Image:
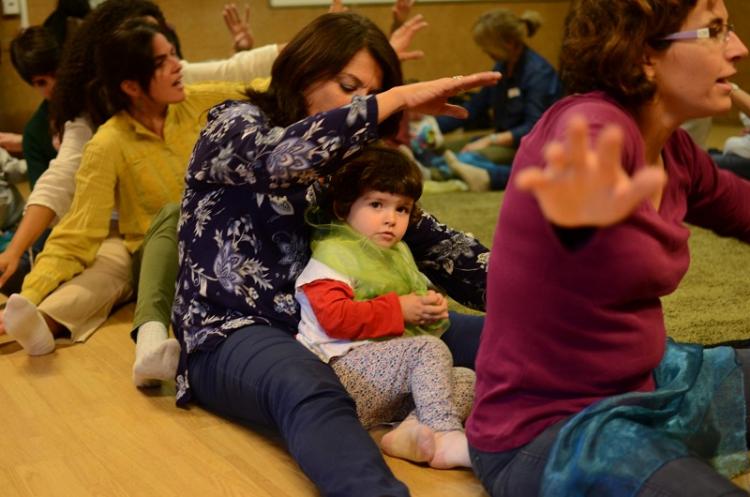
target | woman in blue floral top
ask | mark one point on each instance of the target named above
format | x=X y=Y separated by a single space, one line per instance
x=243 y=241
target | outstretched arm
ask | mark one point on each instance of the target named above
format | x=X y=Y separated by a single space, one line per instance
x=431 y=97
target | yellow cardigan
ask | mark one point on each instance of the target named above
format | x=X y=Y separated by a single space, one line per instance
x=128 y=167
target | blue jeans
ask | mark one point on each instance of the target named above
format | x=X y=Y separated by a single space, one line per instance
x=499 y=173
x=262 y=376
x=519 y=471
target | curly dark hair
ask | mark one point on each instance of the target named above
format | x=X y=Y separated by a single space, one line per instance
x=319 y=52
x=604 y=45
x=77 y=69
x=377 y=168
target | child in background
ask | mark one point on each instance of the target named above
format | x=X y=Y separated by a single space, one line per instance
x=367 y=311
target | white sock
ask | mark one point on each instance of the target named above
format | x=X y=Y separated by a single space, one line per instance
x=156 y=355
x=26 y=325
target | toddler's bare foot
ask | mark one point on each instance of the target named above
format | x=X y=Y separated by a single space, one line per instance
x=410 y=440
x=451 y=450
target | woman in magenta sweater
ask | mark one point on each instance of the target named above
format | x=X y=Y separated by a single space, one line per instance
x=579 y=392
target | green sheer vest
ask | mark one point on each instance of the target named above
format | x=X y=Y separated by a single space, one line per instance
x=375 y=270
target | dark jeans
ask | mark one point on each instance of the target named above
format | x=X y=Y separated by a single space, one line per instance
x=519 y=472
x=262 y=376
x=738 y=165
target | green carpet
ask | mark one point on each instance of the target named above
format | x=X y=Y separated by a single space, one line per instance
x=712 y=304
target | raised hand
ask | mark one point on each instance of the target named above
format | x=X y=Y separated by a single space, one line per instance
x=238 y=27
x=582 y=186
x=337 y=6
x=400 y=12
x=402 y=37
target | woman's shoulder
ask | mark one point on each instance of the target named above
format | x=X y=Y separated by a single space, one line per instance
x=597 y=107
x=213 y=87
x=236 y=109
x=112 y=132
x=201 y=96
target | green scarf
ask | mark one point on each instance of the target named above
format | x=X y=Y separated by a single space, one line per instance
x=374 y=269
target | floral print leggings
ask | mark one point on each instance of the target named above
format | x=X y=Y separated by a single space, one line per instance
x=390 y=379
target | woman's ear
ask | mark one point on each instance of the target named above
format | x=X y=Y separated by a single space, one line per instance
x=649 y=70
x=131 y=88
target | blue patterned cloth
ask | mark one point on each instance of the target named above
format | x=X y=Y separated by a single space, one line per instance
x=612 y=447
x=242 y=234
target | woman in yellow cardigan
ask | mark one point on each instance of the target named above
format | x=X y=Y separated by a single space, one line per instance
x=134 y=164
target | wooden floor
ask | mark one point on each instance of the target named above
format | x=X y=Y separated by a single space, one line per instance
x=73 y=425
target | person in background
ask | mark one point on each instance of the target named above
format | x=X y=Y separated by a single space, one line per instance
x=735 y=156
x=579 y=389
x=135 y=163
x=35 y=54
x=512 y=107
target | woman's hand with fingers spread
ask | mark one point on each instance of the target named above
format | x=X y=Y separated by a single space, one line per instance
x=584 y=186
x=238 y=27
x=402 y=37
x=431 y=97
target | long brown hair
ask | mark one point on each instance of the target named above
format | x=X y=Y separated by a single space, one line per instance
x=319 y=52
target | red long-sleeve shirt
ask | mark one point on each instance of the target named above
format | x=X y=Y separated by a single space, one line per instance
x=344 y=318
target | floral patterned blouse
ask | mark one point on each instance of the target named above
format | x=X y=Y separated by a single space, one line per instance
x=242 y=234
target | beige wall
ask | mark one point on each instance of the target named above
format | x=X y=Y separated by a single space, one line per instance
x=447 y=41
x=203 y=36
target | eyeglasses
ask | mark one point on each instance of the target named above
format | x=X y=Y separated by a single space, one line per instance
x=715 y=32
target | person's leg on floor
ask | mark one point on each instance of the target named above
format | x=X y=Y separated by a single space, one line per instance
x=156 y=267
x=263 y=375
